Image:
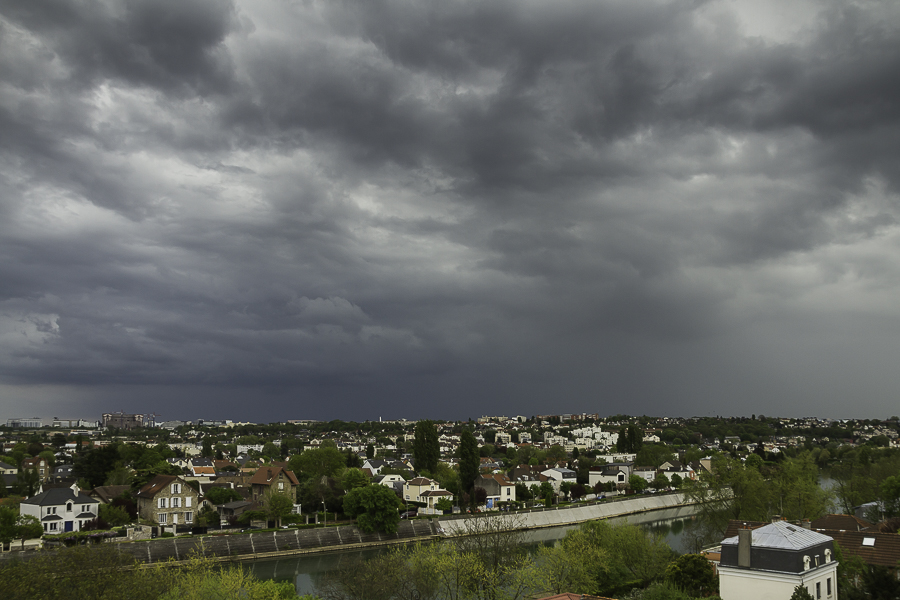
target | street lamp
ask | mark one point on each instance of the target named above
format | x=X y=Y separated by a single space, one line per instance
x=325 y=520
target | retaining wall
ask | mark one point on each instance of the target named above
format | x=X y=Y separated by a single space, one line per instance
x=553 y=517
x=271 y=544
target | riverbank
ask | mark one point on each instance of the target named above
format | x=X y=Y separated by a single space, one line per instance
x=275 y=544
x=297 y=542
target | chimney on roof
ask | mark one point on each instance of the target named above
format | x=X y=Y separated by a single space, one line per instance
x=805 y=524
x=745 y=541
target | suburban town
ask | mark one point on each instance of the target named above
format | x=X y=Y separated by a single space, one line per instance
x=129 y=480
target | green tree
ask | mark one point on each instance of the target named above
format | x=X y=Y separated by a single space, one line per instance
x=58 y=441
x=315 y=463
x=27 y=482
x=16 y=526
x=94 y=464
x=375 y=508
x=661 y=481
x=444 y=504
x=118 y=476
x=116 y=516
x=637 y=483
x=801 y=593
x=276 y=505
x=664 y=591
x=49 y=457
x=271 y=451
x=208 y=517
x=354 y=478
x=221 y=495
x=628 y=557
x=426 y=447
x=469 y=461
x=694 y=574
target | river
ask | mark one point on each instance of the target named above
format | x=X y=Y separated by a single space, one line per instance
x=304 y=570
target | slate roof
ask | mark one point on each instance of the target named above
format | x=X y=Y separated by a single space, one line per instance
x=108 y=493
x=782 y=535
x=841 y=523
x=59 y=496
x=3 y=465
x=156 y=485
x=873 y=547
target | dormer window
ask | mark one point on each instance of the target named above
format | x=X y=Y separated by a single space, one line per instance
x=806 y=563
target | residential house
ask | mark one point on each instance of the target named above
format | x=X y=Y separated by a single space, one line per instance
x=63 y=471
x=40 y=464
x=168 y=500
x=276 y=479
x=395 y=482
x=605 y=474
x=232 y=510
x=772 y=560
x=490 y=465
x=557 y=475
x=415 y=490
x=6 y=469
x=105 y=494
x=201 y=468
x=498 y=487
x=61 y=509
x=648 y=474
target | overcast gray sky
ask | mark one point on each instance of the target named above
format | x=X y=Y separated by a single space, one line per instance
x=268 y=210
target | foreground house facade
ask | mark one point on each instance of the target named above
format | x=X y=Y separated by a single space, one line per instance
x=769 y=562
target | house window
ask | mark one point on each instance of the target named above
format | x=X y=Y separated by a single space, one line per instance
x=53 y=526
x=188 y=517
x=162 y=503
x=187 y=502
x=818 y=589
x=280 y=486
x=828 y=586
x=176 y=488
x=176 y=502
x=162 y=518
x=507 y=491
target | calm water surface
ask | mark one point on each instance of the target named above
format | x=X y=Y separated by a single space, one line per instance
x=305 y=570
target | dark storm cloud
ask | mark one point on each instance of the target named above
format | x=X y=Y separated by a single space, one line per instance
x=482 y=205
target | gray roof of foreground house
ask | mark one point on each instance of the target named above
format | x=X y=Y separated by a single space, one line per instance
x=782 y=535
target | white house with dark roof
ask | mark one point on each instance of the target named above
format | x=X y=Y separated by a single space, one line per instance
x=769 y=562
x=61 y=509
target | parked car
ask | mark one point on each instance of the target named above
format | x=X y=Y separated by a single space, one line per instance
x=409 y=514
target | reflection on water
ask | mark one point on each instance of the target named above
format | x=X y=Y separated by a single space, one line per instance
x=306 y=570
